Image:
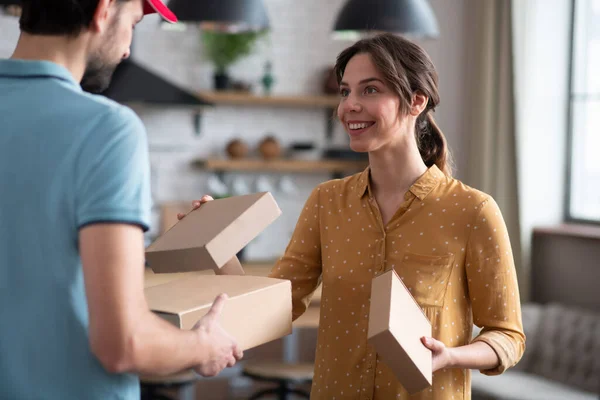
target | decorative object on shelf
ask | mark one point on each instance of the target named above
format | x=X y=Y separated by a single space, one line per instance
x=241 y=87
x=262 y=184
x=237 y=148
x=330 y=85
x=239 y=187
x=287 y=186
x=268 y=80
x=223 y=15
x=216 y=188
x=413 y=18
x=269 y=148
x=224 y=49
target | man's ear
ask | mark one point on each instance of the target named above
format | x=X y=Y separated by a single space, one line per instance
x=419 y=103
x=100 y=18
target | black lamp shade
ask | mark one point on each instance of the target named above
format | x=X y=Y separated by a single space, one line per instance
x=237 y=15
x=408 y=17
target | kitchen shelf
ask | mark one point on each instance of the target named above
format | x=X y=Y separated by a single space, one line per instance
x=280 y=165
x=243 y=98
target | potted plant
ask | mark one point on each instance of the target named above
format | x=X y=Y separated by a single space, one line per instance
x=224 y=49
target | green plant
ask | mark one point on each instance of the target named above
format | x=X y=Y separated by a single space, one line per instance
x=224 y=49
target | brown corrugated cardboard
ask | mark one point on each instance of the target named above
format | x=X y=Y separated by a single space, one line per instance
x=210 y=236
x=396 y=325
x=258 y=310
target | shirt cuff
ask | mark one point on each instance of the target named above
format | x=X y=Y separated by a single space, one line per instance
x=509 y=353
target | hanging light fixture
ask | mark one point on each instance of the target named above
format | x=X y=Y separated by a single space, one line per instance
x=223 y=15
x=10 y=7
x=413 y=18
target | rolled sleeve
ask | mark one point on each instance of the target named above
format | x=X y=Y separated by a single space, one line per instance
x=493 y=287
x=301 y=262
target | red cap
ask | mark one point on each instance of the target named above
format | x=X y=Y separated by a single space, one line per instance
x=157 y=6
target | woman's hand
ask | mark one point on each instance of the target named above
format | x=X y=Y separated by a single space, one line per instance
x=441 y=355
x=196 y=205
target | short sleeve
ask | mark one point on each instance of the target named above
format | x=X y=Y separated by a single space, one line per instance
x=493 y=287
x=113 y=176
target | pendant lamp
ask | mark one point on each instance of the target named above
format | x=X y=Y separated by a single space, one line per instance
x=413 y=18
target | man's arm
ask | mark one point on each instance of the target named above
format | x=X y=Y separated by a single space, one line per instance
x=124 y=334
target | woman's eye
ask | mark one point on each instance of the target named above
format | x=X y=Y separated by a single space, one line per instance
x=371 y=90
x=344 y=92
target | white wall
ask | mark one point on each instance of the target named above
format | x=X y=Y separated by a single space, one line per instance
x=300 y=47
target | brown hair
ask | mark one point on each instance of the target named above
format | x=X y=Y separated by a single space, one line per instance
x=407 y=69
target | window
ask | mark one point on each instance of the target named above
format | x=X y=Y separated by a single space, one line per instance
x=583 y=199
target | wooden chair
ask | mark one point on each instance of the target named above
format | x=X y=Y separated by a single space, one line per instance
x=284 y=375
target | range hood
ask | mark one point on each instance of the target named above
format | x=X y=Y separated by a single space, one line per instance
x=132 y=83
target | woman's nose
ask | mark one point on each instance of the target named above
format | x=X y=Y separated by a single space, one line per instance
x=351 y=104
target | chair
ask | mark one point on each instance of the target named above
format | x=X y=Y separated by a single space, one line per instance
x=283 y=374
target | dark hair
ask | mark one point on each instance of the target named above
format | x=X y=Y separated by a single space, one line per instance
x=407 y=69
x=57 y=17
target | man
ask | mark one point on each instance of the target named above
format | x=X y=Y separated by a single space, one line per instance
x=74 y=202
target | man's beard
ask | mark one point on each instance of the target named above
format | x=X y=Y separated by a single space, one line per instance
x=97 y=75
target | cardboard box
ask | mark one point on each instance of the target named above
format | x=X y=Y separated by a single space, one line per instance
x=396 y=325
x=210 y=236
x=259 y=309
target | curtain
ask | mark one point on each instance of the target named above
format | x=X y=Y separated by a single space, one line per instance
x=492 y=157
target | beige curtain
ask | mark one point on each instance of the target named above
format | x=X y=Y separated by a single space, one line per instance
x=541 y=44
x=492 y=163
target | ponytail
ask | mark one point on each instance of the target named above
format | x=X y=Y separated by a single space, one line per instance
x=432 y=143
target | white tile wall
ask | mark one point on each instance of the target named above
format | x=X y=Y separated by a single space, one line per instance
x=300 y=47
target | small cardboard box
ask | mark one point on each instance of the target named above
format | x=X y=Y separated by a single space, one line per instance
x=259 y=309
x=396 y=325
x=207 y=238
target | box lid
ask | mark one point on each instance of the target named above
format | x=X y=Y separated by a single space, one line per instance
x=185 y=295
x=210 y=236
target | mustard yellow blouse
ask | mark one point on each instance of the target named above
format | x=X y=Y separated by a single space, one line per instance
x=448 y=243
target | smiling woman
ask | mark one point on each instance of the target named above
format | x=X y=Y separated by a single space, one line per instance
x=447 y=241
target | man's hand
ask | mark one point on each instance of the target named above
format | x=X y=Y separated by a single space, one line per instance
x=221 y=349
x=442 y=355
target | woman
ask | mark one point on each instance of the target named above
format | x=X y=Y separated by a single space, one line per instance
x=447 y=241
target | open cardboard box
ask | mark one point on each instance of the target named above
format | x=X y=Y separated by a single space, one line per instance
x=209 y=237
x=258 y=309
x=396 y=325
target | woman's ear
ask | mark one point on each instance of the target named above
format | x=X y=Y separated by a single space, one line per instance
x=419 y=103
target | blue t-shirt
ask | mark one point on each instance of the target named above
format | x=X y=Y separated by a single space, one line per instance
x=67 y=159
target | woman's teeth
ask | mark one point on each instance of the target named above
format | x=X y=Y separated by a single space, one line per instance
x=362 y=125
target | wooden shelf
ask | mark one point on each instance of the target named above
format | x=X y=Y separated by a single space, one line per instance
x=242 y=98
x=281 y=165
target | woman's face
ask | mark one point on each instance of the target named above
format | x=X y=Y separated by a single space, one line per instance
x=369 y=110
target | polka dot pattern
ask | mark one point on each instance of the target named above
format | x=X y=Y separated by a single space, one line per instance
x=449 y=245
